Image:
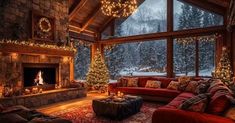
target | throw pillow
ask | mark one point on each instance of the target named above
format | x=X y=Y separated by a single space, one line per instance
x=153 y=84
x=132 y=82
x=191 y=87
x=183 y=82
x=173 y=85
x=123 y=81
x=197 y=103
x=202 y=86
x=214 y=89
x=219 y=103
x=215 y=82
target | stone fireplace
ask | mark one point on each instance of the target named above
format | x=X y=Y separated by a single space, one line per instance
x=22 y=66
x=19 y=65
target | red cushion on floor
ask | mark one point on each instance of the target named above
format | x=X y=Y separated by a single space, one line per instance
x=162 y=92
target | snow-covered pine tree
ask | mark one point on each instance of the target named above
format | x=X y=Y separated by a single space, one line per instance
x=98 y=73
x=184 y=16
x=185 y=52
x=82 y=62
x=115 y=60
x=223 y=70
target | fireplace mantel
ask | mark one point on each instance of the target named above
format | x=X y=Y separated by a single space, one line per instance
x=14 y=48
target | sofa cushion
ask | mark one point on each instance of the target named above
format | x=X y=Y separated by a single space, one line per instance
x=214 y=83
x=143 y=80
x=183 y=82
x=191 y=87
x=176 y=102
x=168 y=115
x=153 y=84
x=173 y=85
x=197 y=103
x=132 y=82
x=219 y=103
x=165 y=81
x=161 y=92
x=214 y=89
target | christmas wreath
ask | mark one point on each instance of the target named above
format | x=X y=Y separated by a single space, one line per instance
x=44 y=25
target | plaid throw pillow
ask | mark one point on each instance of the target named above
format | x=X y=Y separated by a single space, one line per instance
x=197 y=103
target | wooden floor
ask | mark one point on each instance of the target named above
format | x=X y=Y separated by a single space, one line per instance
x=48 y=109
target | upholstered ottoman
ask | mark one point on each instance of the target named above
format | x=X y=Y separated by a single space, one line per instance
x=117 y=110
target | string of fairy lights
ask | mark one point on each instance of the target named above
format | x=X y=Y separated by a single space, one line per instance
x=77 y=43
x=189 y=40
x=41 y=45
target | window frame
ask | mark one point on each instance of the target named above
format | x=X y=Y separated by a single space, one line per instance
x=171 y=34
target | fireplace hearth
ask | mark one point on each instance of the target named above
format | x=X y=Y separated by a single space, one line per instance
x=43 y=75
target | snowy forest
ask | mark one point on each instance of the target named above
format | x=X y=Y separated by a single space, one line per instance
x=150 y=57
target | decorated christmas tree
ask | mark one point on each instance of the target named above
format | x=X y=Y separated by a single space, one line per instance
x=223 y=70
x=98 y=73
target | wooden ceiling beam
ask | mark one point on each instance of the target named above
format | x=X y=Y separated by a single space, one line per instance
x=76 y=9
x=204 y=4
x=77 y=30
x=223 y=3
x=78 y=26
x=73 y=5
x=74 y=34
x=164 y=35
x=106 y=24
x=91 y=17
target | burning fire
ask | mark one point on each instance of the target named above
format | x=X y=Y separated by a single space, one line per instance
x=38 y=79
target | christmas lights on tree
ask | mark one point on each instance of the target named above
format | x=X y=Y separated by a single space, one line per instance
x=223 y=70
x=98 y=73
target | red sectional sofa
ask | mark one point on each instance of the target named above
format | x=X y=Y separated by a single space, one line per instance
x=170 y=112
x=162 y=94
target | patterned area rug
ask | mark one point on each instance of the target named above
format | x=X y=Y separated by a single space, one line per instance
x=85 y=114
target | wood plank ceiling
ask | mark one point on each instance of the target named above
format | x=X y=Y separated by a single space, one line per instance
x=86 y=21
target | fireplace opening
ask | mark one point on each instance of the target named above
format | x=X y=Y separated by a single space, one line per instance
x=40 y=75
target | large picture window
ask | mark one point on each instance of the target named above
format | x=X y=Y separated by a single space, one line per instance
x=185 y=56
x=82 y=62
x=206 y=57
x=150 y=17
x=137 y=59
x=190 y=17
